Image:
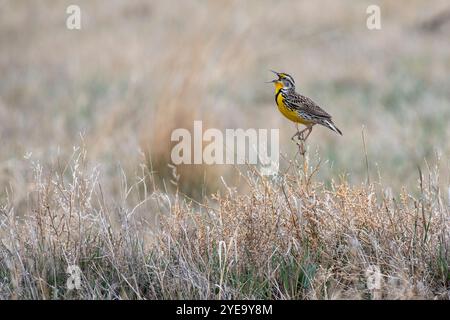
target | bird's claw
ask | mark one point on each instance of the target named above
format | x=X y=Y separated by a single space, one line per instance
x=299 y=135
x=301 y=147
x=300 y=142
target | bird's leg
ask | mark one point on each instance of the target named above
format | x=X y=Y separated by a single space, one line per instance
x=297 y=134
x=309 y=128
x=302 y=138
x=300 y=142
x=301 y=134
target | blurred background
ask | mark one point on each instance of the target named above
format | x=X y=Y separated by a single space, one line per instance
x=139 y=69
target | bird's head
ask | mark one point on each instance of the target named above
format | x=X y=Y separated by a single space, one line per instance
x=284 y=80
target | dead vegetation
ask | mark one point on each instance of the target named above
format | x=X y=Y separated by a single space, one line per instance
x=364 y=224
x=288 y=238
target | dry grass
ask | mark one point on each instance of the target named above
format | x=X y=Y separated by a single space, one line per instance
x=137 y=70
x=288 y=238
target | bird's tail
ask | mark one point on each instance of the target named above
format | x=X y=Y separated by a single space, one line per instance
x=329 y=124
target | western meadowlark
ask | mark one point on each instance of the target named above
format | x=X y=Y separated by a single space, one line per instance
x=298 y=108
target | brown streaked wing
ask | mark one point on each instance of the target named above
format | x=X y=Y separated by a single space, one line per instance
x=298 y=101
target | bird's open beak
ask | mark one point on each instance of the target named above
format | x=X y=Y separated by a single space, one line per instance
x=275 y=80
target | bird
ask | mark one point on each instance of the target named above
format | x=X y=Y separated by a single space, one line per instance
x=299 y=108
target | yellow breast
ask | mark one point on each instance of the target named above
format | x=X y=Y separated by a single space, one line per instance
x=290 y=114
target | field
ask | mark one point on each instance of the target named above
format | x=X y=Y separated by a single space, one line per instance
x=86 y=177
